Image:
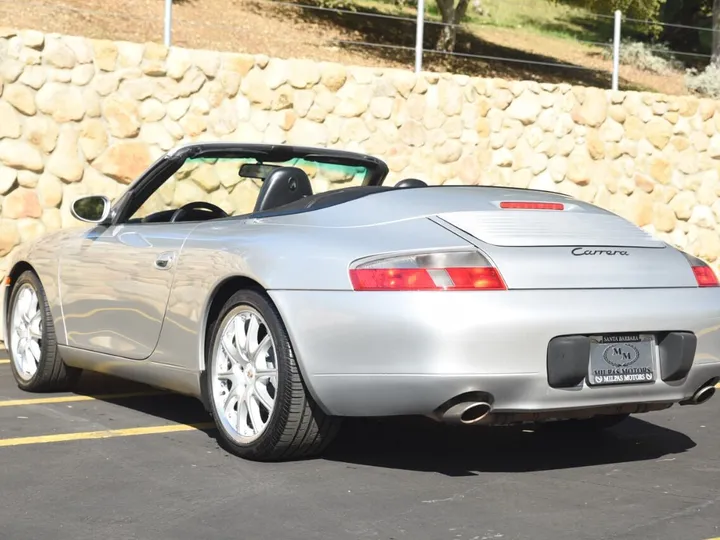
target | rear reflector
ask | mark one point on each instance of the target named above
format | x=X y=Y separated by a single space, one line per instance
x=705 y=276
x=426 y=279
x=520 y=205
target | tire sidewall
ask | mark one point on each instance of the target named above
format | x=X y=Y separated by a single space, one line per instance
x=31 y=279
x=281 y=344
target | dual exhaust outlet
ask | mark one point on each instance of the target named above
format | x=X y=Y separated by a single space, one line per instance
x=476 y=408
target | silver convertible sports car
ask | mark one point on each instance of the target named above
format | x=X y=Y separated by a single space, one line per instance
x=468 y=304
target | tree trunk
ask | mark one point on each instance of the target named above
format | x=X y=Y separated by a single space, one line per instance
x=452 y=15
x=716 y=34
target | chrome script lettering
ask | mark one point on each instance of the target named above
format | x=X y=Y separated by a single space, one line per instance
x=579 y=252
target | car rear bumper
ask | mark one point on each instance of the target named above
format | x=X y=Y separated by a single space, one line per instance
x=397 y=353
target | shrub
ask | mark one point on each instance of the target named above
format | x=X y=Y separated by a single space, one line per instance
x=655 y=58
x=706 y=82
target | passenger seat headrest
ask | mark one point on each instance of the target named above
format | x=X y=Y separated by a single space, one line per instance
x=282 y=186
x=411 y=182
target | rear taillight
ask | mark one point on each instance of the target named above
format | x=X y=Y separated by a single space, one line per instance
x=446 y=271
x=704 y=275
x=527 y=205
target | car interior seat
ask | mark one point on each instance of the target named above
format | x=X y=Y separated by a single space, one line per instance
x=411 y=182
x=282 y=186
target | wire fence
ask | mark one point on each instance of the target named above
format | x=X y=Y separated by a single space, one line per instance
x=600 y=52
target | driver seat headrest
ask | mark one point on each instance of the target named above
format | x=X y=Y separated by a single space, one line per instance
x=411 y=183
x=283 y=186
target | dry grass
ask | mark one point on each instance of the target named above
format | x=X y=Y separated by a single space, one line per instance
x=257 y=26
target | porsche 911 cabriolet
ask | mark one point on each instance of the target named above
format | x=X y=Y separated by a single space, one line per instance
x=473 y=305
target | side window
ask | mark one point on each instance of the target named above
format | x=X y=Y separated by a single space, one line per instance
x=214 y=181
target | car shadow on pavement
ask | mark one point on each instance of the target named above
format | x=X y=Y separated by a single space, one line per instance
x=420 y=444
x=423 y=445
x=139 y=398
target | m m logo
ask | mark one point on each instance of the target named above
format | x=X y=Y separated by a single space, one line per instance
x=624 y=354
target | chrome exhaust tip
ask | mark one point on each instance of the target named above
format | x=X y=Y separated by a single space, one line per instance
x=703 y=394
x=468 y=412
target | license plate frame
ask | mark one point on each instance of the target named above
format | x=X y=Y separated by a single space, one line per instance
x=622 y=359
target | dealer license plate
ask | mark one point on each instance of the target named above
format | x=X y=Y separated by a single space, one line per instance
x=621 y=359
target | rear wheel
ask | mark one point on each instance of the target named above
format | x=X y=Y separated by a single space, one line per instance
x=257 y=396
x=36 y=362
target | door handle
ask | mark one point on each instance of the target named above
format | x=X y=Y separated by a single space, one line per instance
x=165 y=260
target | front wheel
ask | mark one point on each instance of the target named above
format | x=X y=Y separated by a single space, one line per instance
x=257 y=396
x=32 y=345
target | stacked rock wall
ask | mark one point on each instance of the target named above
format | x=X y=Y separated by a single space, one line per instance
x=83 y=116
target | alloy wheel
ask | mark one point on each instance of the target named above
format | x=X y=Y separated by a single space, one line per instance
x=245 y=375
x=26 y=332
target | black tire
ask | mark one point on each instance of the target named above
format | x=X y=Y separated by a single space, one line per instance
x=594 y=424
x=52 y=374
x=297 y=427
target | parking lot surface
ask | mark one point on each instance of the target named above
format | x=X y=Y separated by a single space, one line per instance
x=121 y=461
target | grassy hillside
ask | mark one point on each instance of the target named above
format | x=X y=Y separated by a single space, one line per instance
x=517 y=37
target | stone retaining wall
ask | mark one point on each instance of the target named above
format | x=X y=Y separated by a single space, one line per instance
x=84 y=116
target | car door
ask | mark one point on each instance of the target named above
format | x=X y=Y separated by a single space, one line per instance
x=116 y=283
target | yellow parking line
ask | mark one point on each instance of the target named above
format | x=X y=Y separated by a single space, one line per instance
x=64 y=437
x=72 y=399
x=4 y=361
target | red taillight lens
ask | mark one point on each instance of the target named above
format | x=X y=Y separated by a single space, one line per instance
x=391 y=279
x=434 y=271
x=426 y=279
x=522 y=205
x=487 y=279
x=705 y=276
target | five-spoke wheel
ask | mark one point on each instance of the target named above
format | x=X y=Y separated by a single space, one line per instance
x=256 y=393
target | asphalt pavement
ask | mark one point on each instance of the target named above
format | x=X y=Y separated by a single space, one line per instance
x=144 y=465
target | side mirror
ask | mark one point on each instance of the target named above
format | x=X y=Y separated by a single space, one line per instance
x=91 y=209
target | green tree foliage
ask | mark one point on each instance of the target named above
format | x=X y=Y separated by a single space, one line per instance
x=704 y=14
x=636 y=9
x=641 y=10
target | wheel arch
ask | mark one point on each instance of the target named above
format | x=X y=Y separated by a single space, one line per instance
x=220 y=294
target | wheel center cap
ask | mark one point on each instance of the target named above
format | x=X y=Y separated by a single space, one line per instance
x=249 y=372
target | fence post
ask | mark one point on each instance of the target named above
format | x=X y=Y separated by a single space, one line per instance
x=616 y=50
x=168 y=22
x=419 y=27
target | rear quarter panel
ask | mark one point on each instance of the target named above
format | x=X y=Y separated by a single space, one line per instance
x=278 y=257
